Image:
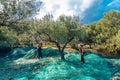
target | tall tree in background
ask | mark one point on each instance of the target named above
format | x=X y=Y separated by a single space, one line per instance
x=90 y=34
x=105 y=30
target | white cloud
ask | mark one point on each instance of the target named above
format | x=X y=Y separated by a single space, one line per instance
x=64 y=7
x=85 y=4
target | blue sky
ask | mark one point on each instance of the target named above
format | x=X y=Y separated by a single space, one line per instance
x=88 y=10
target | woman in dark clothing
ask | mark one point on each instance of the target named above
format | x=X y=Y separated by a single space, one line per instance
x=82 y=53
x=39 y=50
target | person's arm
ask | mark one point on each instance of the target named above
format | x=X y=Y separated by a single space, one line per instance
x=79 y=50
x=37 y=49
x=82 y=50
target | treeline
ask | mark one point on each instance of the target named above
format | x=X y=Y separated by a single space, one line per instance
x=18 y=28
x=106 y=32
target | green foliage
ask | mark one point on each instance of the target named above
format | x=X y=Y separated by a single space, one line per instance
x=15 y=17
x=90 y=33
x=105 y=32
x=19 y=9
x=60 y=30
x=114 y=40
x=7 y=37
x=108 y=26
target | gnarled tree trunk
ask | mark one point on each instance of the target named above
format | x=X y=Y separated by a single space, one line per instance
x=61 y=49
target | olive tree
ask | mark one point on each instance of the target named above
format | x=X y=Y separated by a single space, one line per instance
x=60 y=32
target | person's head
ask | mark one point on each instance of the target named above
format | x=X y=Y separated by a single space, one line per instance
x=40 y=44
x=81 y=45
x=114 y=45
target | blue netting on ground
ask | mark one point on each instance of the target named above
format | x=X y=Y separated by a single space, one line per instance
x=47 y=52
x=31 y=53
x=94 y=68
x=16 y=53
x=50 y=52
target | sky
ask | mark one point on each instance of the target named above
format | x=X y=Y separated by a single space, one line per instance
x=88 y=10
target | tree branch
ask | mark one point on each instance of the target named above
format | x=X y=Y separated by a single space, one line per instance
x=53 y=41
x=69 y=40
